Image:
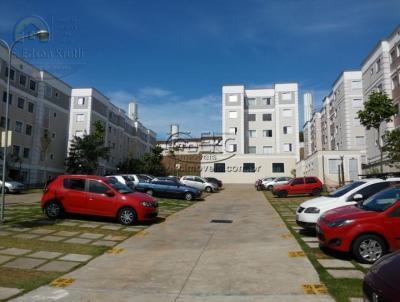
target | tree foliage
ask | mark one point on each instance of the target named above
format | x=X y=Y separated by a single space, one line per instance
x=392 y=146
x=85 y=152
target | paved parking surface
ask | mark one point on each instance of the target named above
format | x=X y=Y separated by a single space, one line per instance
x=187 y=258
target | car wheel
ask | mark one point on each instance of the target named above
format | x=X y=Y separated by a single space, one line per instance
x=208 y=189
x=53 y=209
x=269 y=188
x=127 y=216
x=282 y=194
x=188 y=196
x=150 y=192
x=369 y=248
x=316 y=192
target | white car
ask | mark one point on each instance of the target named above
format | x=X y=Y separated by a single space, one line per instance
x=124 y=179
x=141 y=178
x=269 y=183
x=199 y=183
x=308 y=212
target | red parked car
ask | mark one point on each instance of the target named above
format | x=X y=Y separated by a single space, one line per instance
x=99 y=196
x=368 y=230
x=382 y=281
x=300 y=185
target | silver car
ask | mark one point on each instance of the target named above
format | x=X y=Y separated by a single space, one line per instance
x=12 y=186
x=199 y=183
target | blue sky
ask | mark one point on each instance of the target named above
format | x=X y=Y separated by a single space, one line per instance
x=174 y=56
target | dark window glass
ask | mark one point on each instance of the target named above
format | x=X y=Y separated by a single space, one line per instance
x=26 y=152
x=311 y=180
x=22 y=80
x=32 y=85
x=16 y=150
x=297 y=181
x=251 y=117
x=382 y=201
x=21 y=103
x=278 y=168
x=345 y=189
x=219 y=167
x=368 y=191
x=11 y=74
x=3 y=122
x=267 y=117
x=97 y=187
x=74 y=184
x=31 y=107
x=249 y=167
x=5 y=98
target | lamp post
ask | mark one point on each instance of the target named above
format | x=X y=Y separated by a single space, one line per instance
x=42 y=35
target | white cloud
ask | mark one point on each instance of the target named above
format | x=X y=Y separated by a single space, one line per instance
x=153 y=92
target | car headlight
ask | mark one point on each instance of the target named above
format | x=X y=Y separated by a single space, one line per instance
x=148 y=204
x=312 y=210
x=340 y=223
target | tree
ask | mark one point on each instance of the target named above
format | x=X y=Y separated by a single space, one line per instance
x=378 y=109
x=85 y=152
x=152 y=162
x=392 y=146
x=131 y=166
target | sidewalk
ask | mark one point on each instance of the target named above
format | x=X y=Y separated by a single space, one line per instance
x=187 y=258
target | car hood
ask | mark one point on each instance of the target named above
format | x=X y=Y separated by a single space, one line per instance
x=280 y=186
x=348 y=212
x=387 y=269
x=316 y=202
x=140 y=196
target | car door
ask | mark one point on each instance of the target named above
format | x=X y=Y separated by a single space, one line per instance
x=392 y=224
x=99 y=203
x=73 y=196
x=189 y=180
x=297 y=186
x=310 y=184
x=200 y=184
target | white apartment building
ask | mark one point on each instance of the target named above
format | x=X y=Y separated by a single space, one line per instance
x=125 y=135
x=380 y=72
x=260 y=133
x=39 y=106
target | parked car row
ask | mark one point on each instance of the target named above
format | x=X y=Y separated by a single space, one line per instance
x=268 y=183
x=12 y=186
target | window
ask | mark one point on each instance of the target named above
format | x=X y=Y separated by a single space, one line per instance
x=22 y=80
x=356 y=84
x=18 y=126
x=97 y=187
x=252 y=133
x=252 y=149
x=360 y=140
x=26 y=152
x=48 y=91
x=368 y=191
x=297 y=181
x=31 y=107
x=80 y=117
x=233 y=114
x=233 y=147
x=81 y=101
x=3 y=122
x=356 y=121
x=11 y=74
x=286 y=96
x=249 y=167
x=51 y=156
x=267 y=149
x=28 y=129
x=233 y=130
x=55 y=114
x=251 y=102
x=393 y=55
x=266 y=101
x=287 y=147
x=334 y=166
x=233 y=98
x=32 y=85
x=53 y=135
x=20 y=103
x=378 y=65
x=267 y=117
x=74 y=184
x=251 y=117
x=267 y=133
x=16 y=150
x=311 y=180
x=395 y=82
x=278 y=167
x=357 y=103
x=287 y=112
x=219 y=167
x=5 y=98
x=287 y=130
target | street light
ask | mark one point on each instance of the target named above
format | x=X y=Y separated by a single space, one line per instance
x=42 y=35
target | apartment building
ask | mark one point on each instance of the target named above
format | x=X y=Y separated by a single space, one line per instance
x=125 y=135
x=380 y=72
x=260 y=133
x=39 y=107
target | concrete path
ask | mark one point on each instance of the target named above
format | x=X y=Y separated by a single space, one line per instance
x=187 y=258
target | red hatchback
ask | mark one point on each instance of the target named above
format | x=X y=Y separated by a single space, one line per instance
x=367 y=230
x=300 y=185
x=98 y=196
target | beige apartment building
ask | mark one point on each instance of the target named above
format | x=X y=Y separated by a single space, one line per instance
x=380 y=72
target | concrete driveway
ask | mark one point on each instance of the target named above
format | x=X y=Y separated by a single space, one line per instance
x=187 y=258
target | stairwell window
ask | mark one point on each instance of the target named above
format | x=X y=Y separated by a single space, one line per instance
x=287 y=147
x=287 y=130
x=80 y=117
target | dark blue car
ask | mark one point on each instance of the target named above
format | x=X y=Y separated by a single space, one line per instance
x=168 y=188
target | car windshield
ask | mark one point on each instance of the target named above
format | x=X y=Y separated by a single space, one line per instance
x=382 y=200
x=345 y=189
x=121 y=188
x=127 y=178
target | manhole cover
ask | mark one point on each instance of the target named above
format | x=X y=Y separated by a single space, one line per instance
x=221 y=221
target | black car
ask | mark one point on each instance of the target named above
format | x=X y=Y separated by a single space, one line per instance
x=168 y=188
x=215 y=181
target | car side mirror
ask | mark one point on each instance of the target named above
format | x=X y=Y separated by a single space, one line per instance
x=110 y=193
x=358 y=197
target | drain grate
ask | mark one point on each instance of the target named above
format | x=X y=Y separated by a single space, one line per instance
x=221 y=221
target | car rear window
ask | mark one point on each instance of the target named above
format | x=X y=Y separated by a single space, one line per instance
x=77 y=184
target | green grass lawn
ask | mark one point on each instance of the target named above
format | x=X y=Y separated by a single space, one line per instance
x=30 y=219
x=341 y=289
